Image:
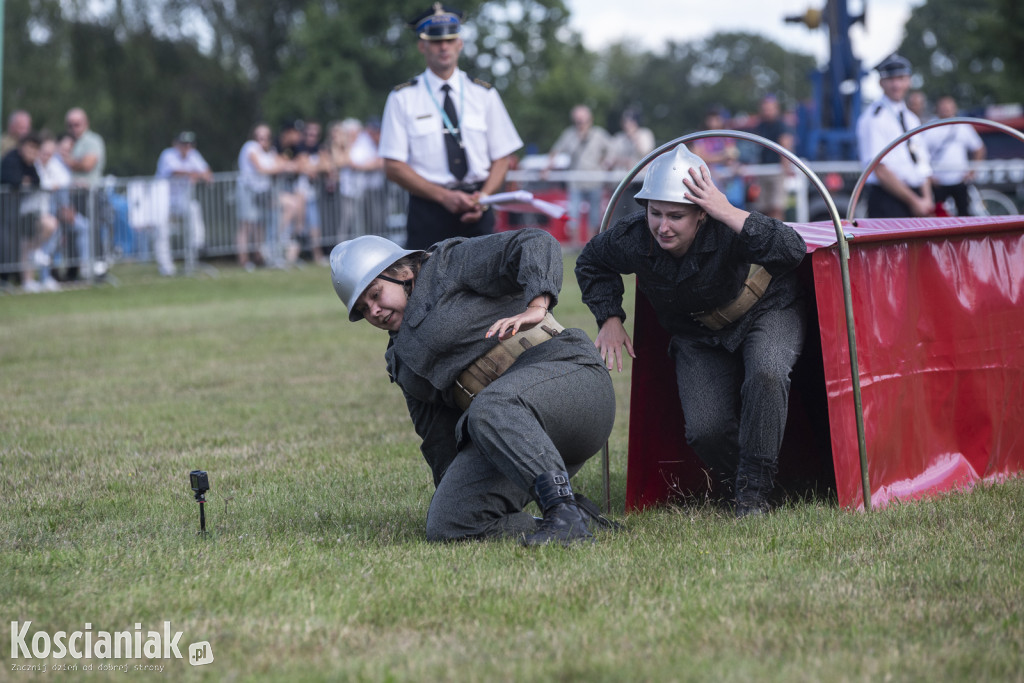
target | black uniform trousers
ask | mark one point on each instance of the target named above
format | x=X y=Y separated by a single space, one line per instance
x=736 y=403
x=959 y=194
x=538 y=417
x=884 y=204
x=428 y=223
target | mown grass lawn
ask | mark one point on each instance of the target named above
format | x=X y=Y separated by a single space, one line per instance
x=316 y=568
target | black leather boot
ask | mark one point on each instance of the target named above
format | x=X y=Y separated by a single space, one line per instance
x=755 y=478
x=592 y=514
x=563 y=523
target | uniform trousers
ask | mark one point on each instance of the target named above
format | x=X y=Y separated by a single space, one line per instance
x=429 y=222
x=735 y=403
x=884 y=204
x=538 y=417
x=959 y=194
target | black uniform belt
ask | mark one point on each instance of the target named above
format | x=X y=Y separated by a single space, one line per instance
x=492 y=364
x=465 y=187
x=753 y=289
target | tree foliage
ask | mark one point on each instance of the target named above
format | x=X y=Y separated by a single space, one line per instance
x=968 y=50
x=138 y=89
x=145 y=69
x=676 y=88
x=343 y=61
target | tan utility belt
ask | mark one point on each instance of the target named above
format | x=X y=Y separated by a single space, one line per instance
x=753 y=289
x=492 y=364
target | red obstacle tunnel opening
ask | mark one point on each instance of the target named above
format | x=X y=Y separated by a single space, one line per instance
x=663 y=468
x=938 y=305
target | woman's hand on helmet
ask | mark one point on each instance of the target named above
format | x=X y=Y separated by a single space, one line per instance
x=507 y=327
x=611 y=338
x=702 y=192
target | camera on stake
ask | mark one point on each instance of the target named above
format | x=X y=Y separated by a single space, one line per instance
x=200 y=482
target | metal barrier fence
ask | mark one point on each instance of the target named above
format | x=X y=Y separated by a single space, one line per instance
x=181 y=226
x=178 y=224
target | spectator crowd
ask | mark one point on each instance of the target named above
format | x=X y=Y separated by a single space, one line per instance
x=55 y=221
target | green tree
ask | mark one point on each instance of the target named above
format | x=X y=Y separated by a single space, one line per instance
x=676 y=87
x=138 y=88
x=969 y=50
x=145 y=69
x=253 y=35
x=343 y=58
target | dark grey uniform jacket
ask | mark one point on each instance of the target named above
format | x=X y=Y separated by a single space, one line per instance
x=709 y=275
x=465 y=286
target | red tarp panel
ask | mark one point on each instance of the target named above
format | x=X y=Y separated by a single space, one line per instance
x=939 y=325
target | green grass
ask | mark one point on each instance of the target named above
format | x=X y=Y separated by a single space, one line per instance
x=316 y=568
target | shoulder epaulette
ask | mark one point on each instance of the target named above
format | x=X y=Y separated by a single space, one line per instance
x=404 y=85
x=482 y=84
x=878 y=110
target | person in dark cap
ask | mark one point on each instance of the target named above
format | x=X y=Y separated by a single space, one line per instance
x=182 y=165
x=445 y=137
x=899 y=186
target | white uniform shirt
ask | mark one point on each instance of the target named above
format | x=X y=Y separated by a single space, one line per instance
x=412 y=129
x=950 y=148
x=878 y=126
x=171 y=162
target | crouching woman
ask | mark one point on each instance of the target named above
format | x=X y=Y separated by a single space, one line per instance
x=508 y=404
x=722 y=282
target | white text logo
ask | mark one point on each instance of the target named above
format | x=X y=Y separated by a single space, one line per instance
x=99 y=644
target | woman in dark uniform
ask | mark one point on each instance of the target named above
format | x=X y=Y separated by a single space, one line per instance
x=507 y=403
x=722 y=282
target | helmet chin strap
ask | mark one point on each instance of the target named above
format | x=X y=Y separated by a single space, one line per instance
x=407 y=285
x=393 y=280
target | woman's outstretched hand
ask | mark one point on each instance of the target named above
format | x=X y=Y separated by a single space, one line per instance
x=611 y=338
x=507 y=327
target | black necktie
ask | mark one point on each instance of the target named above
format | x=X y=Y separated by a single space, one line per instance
x=903 y=125
x=453 y=138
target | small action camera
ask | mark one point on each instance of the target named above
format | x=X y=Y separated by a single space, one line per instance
x=200 y=482
x=200 y=485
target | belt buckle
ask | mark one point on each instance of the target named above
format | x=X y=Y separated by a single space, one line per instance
x=701 y=318
x=464 y=390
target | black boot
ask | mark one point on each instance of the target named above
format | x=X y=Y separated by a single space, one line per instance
x=593 y=515
x=755 y=478
x=563 y=523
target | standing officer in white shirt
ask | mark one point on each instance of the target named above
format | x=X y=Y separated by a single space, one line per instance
x=446 y=138
x=899 y=186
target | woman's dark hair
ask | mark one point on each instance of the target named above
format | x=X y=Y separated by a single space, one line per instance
x=413 y=262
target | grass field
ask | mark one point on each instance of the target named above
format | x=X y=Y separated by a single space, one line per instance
x=316 y=568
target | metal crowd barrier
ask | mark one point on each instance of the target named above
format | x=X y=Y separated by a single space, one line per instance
x=182 y=226
x=185 y=227
x=81 y=244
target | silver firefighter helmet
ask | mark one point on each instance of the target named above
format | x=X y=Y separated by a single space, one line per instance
x=357 y=262
x=664 y=179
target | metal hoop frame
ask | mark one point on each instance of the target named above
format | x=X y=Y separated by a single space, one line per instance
x=859 y=187
x=844 y=256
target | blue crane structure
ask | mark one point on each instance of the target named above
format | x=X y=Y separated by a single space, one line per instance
x=827 y=125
